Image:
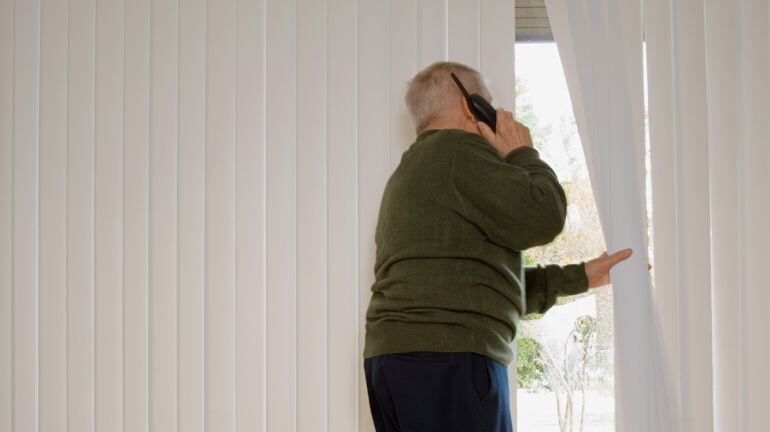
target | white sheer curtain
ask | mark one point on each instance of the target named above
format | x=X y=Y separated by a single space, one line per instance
x=600 y=44
x=709 y=102
x=693 y=355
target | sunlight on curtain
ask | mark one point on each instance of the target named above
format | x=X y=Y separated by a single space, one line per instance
x=600 y=43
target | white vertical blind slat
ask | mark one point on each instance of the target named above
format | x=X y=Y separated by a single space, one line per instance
x=433 y=32
x=250 y=217
x=755 y=211
x=136 y=218
x=6 y=210
x=373 y=159
x=402 y=65
x=693 y=237
x=191 y=193
x=634 y=378
x=662 y=136
x=723 y=128
x=25 y=215
x=281 y=205
x=311 y=216
x=52 y=205
x=108 y=207
x=496 y=49
x=465 y=32
x=163 y=238
x=342 y=178
x=220 y=216
x=80 y=216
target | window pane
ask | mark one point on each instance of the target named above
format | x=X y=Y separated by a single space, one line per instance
x=565 y=357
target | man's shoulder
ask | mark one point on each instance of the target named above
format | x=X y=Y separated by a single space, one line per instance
x=449 y=135
x=450 y=140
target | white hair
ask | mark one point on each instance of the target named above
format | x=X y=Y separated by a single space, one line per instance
x=432 y=93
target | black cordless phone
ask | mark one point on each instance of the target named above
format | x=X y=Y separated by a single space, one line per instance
x=479 y=106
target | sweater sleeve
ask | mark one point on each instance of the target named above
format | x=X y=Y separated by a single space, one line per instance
x=545 y=283
x=516 y=201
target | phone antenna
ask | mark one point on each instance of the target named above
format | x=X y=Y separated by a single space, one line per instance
x=459 y=84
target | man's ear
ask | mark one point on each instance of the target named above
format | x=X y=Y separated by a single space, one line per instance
x=466 y=110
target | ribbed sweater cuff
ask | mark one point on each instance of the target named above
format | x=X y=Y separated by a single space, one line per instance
x=570 y=280
x=520 y=155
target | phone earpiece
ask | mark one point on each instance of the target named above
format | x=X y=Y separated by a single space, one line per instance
x=480 y=108
x=483 y=111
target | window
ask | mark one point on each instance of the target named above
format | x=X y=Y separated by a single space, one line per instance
x=565 y=357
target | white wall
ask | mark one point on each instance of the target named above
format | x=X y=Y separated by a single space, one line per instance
x=188 y=195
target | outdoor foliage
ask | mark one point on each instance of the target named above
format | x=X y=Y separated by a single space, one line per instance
x=582 y=361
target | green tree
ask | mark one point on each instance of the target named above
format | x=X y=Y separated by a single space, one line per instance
x=529 y=369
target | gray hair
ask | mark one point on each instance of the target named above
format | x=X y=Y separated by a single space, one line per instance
x=432 y=92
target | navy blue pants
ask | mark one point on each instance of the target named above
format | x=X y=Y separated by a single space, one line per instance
x=434 y=391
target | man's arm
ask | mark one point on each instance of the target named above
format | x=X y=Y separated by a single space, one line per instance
x=545 y=283
x=516 y=201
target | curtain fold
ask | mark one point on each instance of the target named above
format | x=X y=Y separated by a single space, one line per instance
x=692 y=353
x=680 y=169
x=600 y=44
x=709 y=104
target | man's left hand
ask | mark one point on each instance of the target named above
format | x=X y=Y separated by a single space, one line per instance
x=598 y=269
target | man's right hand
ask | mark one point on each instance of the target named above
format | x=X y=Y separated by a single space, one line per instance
x=510 y=133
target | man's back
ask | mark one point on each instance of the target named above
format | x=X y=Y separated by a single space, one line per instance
x=453 y=219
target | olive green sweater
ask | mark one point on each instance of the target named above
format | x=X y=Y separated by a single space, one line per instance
x=453 y=221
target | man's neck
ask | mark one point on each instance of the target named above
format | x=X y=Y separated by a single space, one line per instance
x=445 y=124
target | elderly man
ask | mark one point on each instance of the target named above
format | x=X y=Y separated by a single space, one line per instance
x=450 y=287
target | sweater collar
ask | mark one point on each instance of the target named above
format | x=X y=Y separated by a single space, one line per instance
x=428 y=132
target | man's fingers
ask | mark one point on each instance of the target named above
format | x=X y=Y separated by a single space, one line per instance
x=620 y=256
x=522 y=132
x=486 y=131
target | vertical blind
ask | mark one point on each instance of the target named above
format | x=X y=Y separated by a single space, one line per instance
x=709 y=103
x=188 y=196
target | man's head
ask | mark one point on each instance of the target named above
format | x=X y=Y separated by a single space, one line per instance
x=435 y=101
